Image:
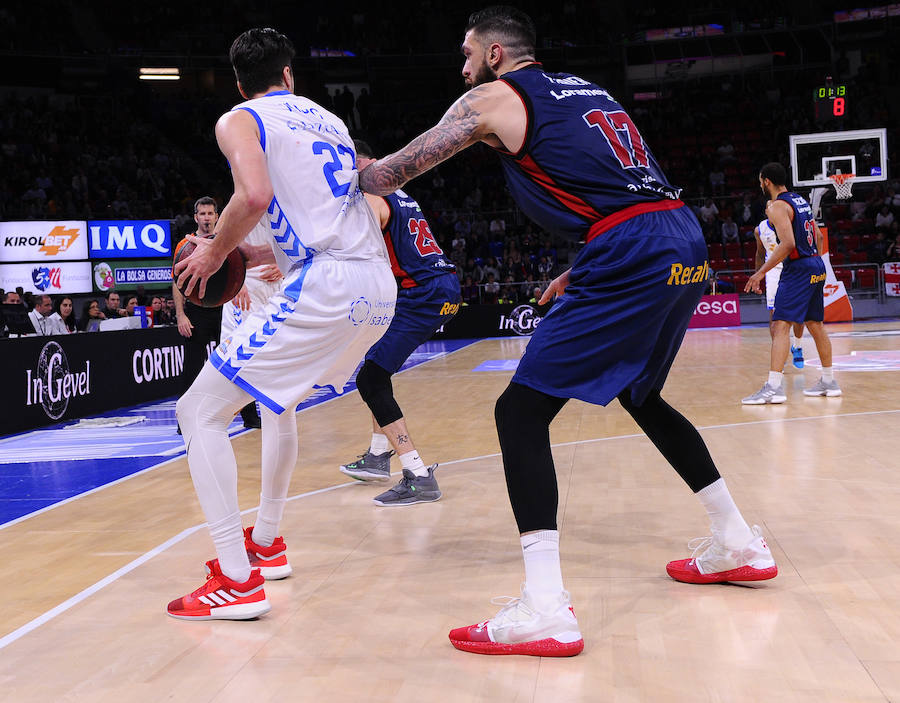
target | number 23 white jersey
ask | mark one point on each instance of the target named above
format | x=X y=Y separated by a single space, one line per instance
x=317 y=205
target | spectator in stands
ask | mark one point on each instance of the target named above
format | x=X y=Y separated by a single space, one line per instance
x=469 y=291
x=884 y=219
x=544 y=269
x=131 y=302
x=508 y=293
x=112 y=310
x=491 y=268
x=892 y=253
x=716 y=285
x=12 y=298
x=747 y=215
x=491 y=289
x=726 y=152
x=536 y=294
x=708 y=214
x=156 y=307
x=717 y=180
x=41 y=316
x=498 y=227
x=90 y=312
x=166 y=313
x=730 y=231
x=892 y=199
x=877 y=251
x=64 y=315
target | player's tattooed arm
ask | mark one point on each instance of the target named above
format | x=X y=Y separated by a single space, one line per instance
x=460 y=127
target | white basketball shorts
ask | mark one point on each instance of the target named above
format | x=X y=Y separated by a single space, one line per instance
x=772 y=278
x=260 y=291
x=313 y=332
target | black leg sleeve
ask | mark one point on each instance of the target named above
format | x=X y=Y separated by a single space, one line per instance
x=523 y=418
x=675 y=437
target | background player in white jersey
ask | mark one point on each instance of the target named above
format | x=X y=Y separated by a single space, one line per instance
x=766 y=241
x=294 y=169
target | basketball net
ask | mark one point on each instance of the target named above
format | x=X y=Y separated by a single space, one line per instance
x=843 y=184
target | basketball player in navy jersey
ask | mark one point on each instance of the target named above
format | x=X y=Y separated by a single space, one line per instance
x=428 y=297
x=800 y=297
x=577 y=165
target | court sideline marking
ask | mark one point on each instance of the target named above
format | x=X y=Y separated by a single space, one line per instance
x=179 y=452
x=131 y=566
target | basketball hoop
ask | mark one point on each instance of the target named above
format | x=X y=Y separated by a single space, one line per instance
x=843 y=184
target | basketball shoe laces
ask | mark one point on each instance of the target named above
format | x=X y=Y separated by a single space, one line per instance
x=716 y=556
x=515 y=612
x=205 y=588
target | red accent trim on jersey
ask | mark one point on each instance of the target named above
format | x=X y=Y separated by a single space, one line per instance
x=617 y=218
x=542 y=178
x=518 y=153
x=403 y=278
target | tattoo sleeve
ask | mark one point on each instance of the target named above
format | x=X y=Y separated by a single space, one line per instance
x=457 y=129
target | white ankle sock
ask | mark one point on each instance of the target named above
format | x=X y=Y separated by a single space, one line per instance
x=775 y=378
x=726 y=520
x=543 y=575
x=827 y=373
x=379 y=443
x=795 y=341
x=267 y=520
x=413 y=462
x=228 y=536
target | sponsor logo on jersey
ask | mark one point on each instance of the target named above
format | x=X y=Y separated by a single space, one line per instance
x=52 y=385
x=449 y=309
x=817 y=278
x=681 y=275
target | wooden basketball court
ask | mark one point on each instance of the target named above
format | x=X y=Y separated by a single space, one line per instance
x=375 y=591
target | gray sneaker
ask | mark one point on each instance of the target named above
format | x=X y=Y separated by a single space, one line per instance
x=766 y=394
x=823 y=387
x=411 y=489
x=370 y=467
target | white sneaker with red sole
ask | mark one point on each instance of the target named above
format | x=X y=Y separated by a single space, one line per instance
x=519 y=628
x=220 y=598
x=272 y=562
x=712 y=562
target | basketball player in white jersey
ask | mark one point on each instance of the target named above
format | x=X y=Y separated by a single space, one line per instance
x=294 y=171
x=766 y=241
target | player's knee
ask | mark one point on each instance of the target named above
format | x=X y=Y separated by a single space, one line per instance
x=374 y=384
x=522 y=409
x=646 y=408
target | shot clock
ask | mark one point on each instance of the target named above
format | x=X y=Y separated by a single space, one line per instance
x=830 y=101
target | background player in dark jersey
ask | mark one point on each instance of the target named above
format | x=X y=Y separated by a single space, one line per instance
x=428 y=296
x=201 y=326
x=577 y=165
x=801 y=287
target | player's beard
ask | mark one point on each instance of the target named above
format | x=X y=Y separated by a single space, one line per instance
x=483 y=75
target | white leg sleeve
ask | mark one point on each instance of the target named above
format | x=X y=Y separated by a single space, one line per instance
x=279 y=456
x=204 y=413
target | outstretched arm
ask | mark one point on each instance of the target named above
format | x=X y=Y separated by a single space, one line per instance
x=492 y=113
x=461 y=126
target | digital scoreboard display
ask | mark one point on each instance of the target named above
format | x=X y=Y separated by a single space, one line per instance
x=830 y=102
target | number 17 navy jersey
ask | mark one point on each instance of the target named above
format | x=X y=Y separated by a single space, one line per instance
x=583 y=158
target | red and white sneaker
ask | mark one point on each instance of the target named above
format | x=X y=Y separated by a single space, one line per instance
x=712 y=562
x=220 y=598
x=519 y=628
x=272 y=562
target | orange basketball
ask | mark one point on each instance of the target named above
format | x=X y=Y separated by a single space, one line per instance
x=223 y=285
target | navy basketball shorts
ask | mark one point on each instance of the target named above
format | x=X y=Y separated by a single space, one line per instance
x=801 y=291
x=420 y=312
x=622 y=318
